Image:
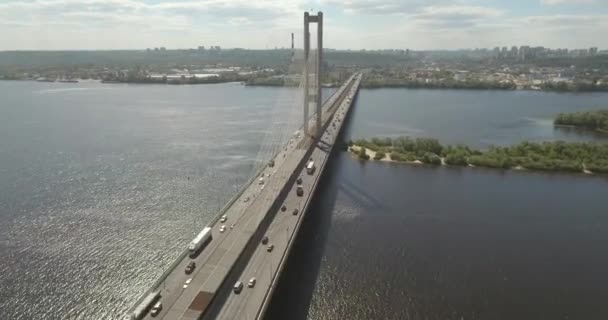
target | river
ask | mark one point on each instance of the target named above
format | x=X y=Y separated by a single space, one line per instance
x=102 y=185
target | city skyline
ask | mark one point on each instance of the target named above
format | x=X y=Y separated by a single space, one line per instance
x=354 y=24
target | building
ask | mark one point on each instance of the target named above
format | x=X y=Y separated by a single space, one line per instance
x=593 y=51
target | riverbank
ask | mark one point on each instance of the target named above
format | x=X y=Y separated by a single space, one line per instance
x=589 y=120
x=587 y=158
x=281 y=82
x=570 y=126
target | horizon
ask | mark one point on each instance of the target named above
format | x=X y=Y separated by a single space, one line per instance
x=297 y=48
x=78 y=25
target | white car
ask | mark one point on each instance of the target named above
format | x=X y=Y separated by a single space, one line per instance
x=223 y=219
x=156 y=309
x=187 y=283
x=222 y=229
x=251 y=283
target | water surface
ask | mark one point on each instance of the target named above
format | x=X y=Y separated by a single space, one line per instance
x=103 y=185
x=396 y=241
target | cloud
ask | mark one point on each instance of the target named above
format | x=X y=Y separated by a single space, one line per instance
x=591 y=22
x=454 y=16
x=558 y=2
x=122 y=11
x=418 y=24
x=382 y=6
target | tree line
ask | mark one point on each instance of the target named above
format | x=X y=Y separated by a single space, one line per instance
x=592 y=120
x=545 y=156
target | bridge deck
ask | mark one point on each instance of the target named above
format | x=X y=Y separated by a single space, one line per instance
x=249 y=215
x=266 y=266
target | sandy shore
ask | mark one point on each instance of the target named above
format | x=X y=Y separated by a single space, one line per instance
x=387 y=157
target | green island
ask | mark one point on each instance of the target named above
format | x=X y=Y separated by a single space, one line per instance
x=546 y=156
x=591 y=120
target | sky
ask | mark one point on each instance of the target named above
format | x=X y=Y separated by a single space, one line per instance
x=261 y=24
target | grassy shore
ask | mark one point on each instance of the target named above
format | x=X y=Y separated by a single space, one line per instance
x=590 y=120
x=547 y=156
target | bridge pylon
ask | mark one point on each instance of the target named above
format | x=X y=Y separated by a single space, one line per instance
x=317 y=98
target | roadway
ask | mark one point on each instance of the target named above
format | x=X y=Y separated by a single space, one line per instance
x=266 y=266
x=244 y=217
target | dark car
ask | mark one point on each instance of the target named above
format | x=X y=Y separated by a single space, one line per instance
x=265 y=240
x=238 y=287
x=296 y=211
x=283 y=208
x=191 y=266
x=299 y=181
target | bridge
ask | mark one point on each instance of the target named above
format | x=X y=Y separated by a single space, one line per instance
x=249 y=241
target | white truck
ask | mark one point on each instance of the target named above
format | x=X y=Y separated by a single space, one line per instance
x=310 y=167
x=201 y=239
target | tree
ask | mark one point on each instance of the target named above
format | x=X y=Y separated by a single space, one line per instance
x=363 y=154
x=379 y=155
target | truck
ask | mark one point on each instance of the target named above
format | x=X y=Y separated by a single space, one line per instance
x=310 y=167
x=199 y=241
x=145 y=305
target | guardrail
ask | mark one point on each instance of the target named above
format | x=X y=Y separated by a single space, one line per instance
x=179 y=259
x=222 y=211
x=291 y=241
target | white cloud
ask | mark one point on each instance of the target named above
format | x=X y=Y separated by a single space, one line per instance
x=454 y=16
x=383 y=6
x=418 y=24
x=557 y=2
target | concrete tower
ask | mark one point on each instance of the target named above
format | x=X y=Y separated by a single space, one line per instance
x=308 y=19
x=293 y=52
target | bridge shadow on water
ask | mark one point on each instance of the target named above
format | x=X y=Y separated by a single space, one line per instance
x=292 y=297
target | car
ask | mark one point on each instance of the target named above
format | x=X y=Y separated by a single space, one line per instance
x=251 y=283
x=262 y=188
x=156 y=309
x=191 y=266
x=299 y=181
x=265 y=240
x=296 y=211
x=270 y=247
x=238 y=287
x=299 y=191
x=187 y=283
x=223 y=219
x=246 y=199
x=222 y=229
x=283 y=208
